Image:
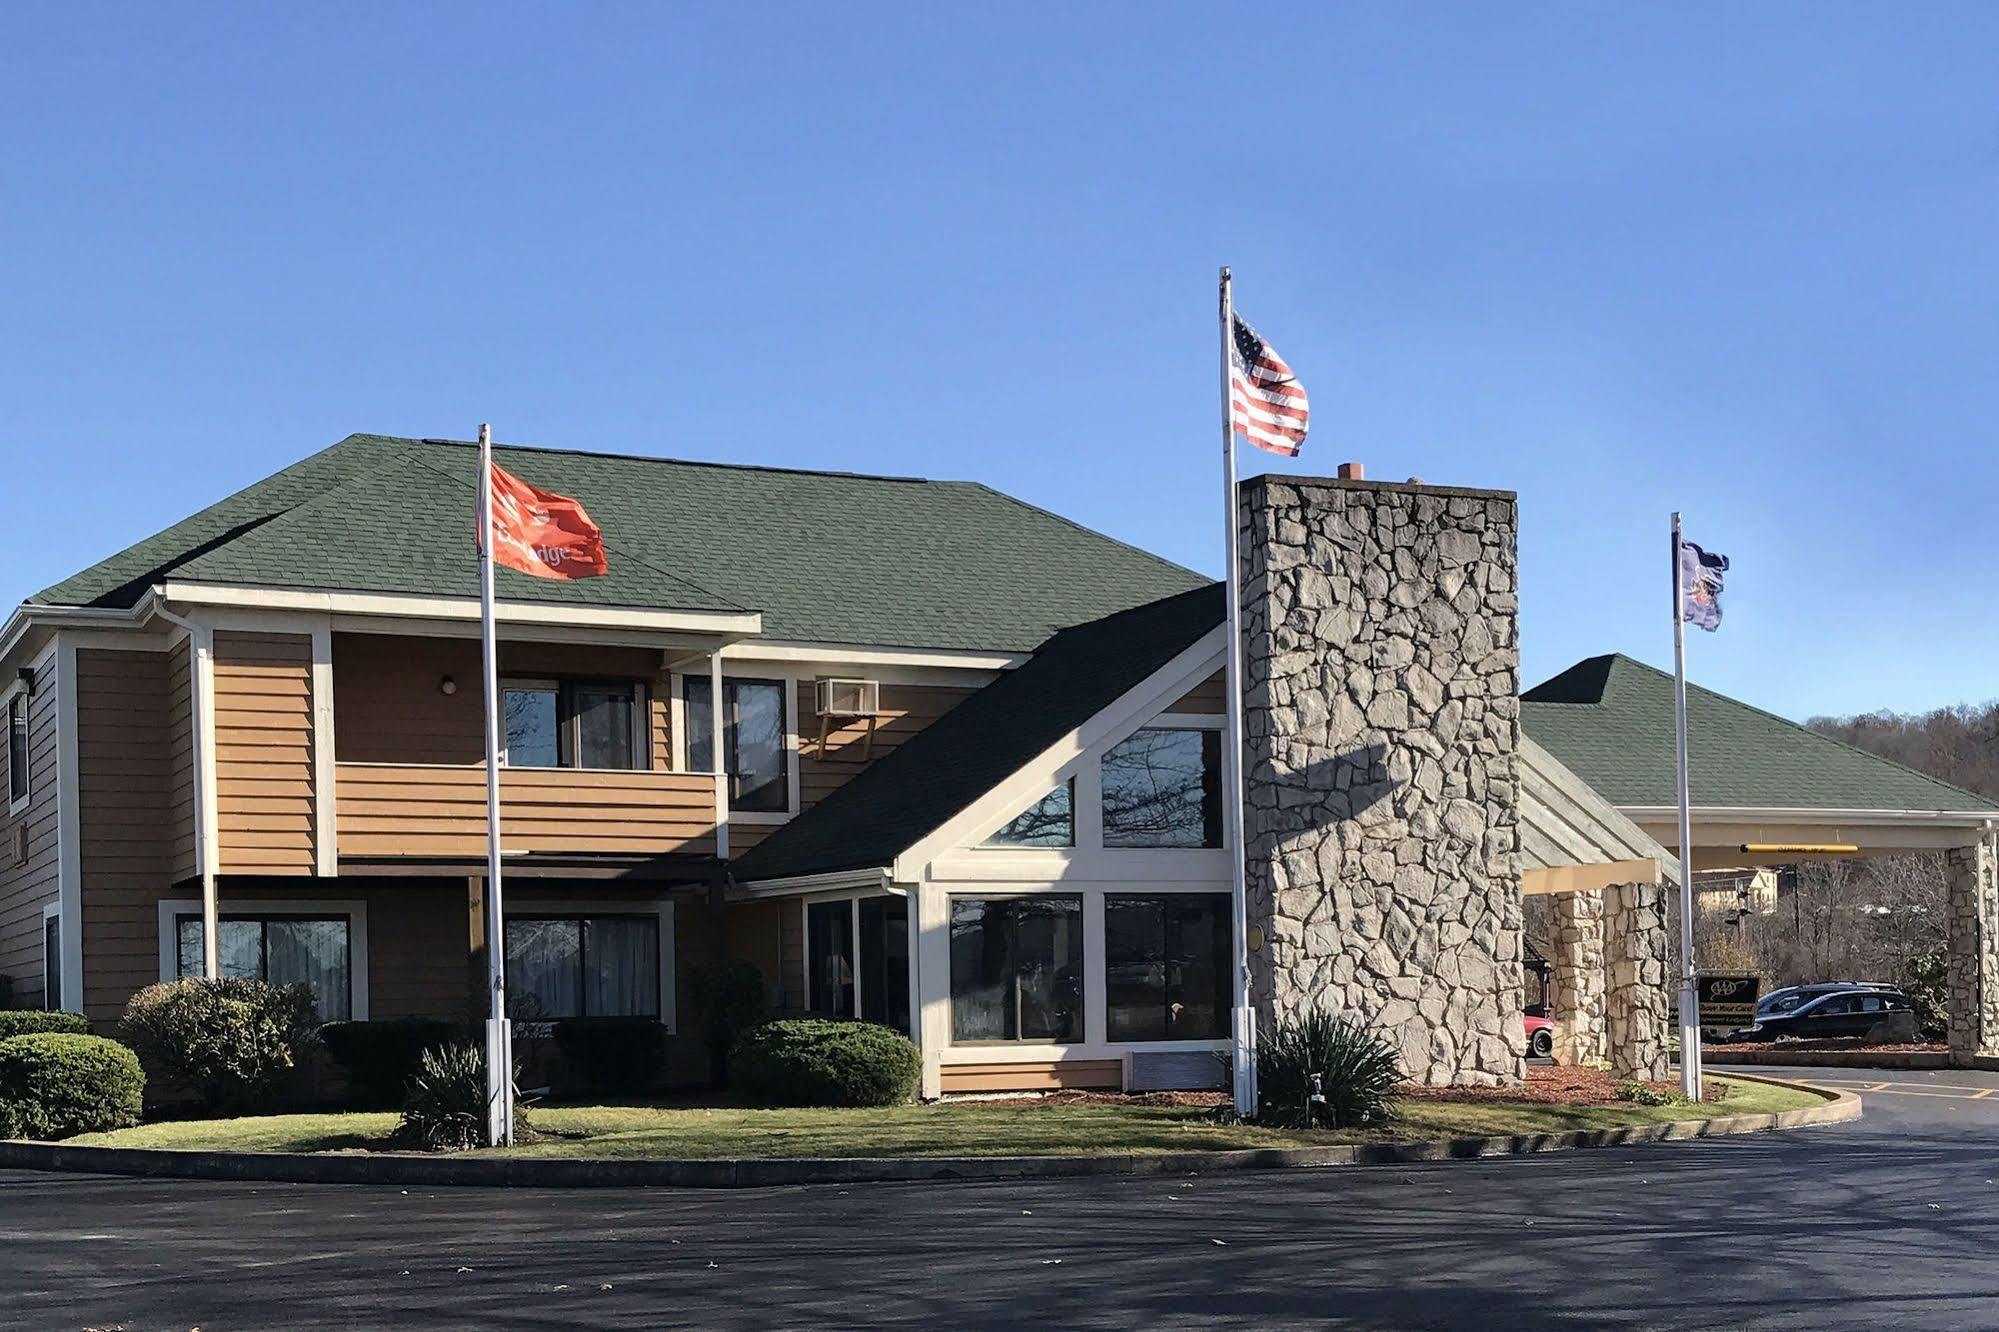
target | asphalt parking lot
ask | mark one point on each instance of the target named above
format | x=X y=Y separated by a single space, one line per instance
x=1893 y=1221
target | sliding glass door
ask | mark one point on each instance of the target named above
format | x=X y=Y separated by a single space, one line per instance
x=857 y=958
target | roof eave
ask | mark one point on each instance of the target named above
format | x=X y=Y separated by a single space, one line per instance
x=246 y=596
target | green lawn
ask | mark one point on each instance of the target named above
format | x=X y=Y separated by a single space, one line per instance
x=1002 y=1128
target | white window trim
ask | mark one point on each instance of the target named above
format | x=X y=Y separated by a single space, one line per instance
x=357 y=935
x=52 y=911
x=853 y=897
x=669 y=1015
x=788 y=686
x=19 y=690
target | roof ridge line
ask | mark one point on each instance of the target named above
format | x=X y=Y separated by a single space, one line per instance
x=674 y=462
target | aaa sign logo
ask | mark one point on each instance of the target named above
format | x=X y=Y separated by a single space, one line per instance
x=1727 y=998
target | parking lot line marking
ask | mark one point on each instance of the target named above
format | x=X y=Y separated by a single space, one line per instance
x=1983 y=1094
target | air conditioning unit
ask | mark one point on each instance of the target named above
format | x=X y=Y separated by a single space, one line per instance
x=849 y=698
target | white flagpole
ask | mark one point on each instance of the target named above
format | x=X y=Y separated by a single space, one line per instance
x=1245 y=1018
x=499 y=1037
x=1690 y=1024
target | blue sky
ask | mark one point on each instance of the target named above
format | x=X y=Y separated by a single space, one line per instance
x=1738 y=260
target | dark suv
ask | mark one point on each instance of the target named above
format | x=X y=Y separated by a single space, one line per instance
x=1837 y=1012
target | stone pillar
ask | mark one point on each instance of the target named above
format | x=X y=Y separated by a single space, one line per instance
x=1973 y=974
x=1636 y=1010
x=1381 y=702
x=1575 y=953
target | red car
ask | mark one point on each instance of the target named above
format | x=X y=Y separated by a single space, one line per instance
x=1540 y=1037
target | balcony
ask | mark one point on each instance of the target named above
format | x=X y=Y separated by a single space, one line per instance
x=438 y=811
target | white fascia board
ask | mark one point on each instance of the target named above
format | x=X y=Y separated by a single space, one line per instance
x=849 y=654
x=800 y=884
x=30 y=627
x=1124 y=715
x=460 y=608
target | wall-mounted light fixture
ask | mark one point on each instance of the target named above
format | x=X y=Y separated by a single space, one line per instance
x=26 y=675
x=447 y=686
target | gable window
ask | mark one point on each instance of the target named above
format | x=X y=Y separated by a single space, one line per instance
x=1050 y=821
x=1017 y=968
x=1167 y=966
x=574 y=724
x=314 y=951
x=582 y=966
x=753 y=729
x=1163 y=788
x=17 y=750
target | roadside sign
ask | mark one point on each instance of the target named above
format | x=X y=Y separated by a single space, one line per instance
x=1727 y=998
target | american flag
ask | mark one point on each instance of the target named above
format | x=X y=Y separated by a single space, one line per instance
x=1266 y=401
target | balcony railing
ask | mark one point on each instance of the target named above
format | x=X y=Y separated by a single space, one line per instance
x=439 y=811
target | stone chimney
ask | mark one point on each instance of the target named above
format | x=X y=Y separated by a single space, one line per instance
x=1382 y=727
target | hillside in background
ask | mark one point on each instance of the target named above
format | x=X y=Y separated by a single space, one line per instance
x=1960 y=744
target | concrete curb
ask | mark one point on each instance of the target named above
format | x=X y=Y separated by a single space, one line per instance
x=1827 y=1058
x=394 y=1168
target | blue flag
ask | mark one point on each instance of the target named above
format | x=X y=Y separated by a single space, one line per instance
x=1700 y=586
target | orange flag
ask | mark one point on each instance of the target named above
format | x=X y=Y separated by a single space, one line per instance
x=543 y=534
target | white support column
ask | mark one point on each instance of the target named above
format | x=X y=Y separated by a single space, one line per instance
x=69 y=827
x=209 y=840
x=718 y=754
x=325 y=832
x=933 y=1001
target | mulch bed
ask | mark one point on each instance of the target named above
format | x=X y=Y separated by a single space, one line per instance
x=1847 y=1046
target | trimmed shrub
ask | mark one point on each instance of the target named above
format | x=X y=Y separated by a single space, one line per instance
x=380 y=1058
x=817 y=1061
x=728 y=999
x=445 y=1107
x=1357 y=1069
x=231 y=1040
x=34 y=1021
x=616 y=1056
x=59 y=1084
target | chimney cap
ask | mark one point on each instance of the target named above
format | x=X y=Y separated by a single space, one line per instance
x=1352 y=471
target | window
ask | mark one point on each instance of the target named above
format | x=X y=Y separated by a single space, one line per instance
x=1050 y=821
x=829 y=934
x=753 y=727
x=314 y=951
x=51 y=960
x=1168 y=967
x=17 y=749
x=582 y=966
x=1017 y=968
x=574 y=724
x=1163 y=788
x=885 y=961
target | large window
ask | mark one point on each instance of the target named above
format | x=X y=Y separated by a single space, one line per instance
x=885 y=961
x=582 y=966
x=857 y=959
x=573 y=724
x=753 y=741
x=1050 y=821
x=1167 y=967
x=314 y=951
x=1017 y=968
x=17 y=749
x=1163 y=788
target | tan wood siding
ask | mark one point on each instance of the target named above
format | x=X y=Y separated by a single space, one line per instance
x=1208 y=698
x=29 y=883
x=791 y=954
x=754 y=935
x=184 y=815
x=407 y=810
x=389 y=706
x=906 y=709
x=263 y=753
x=1048 y=1075
x=124 y=746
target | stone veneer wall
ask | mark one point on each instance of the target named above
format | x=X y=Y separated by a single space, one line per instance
x=1636 y=998
x=1382 y=717
x=1972 y=978
x=1575 y=956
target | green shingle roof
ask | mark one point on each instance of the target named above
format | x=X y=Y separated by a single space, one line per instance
x=826 y=557
x=1610 y=720
x=943 y=769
